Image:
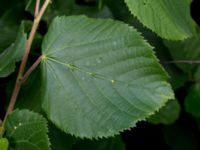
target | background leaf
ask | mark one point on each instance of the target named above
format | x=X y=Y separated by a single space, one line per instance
x=27 y=131
x=166 y=115
x=101 y=75
x=12 y=54
x=170 y=19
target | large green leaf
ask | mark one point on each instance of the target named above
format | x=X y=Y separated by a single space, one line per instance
x=12 y=54
x=99 y=77
x=3 y=144
x=27 y=131
x=170 y=19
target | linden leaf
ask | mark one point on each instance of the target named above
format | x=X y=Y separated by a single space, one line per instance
x=99 y=77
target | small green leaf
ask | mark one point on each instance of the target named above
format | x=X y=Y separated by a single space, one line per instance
x=99 y=77
x=192 y=101
x=166 y=115
x=170 y=19
x=3 y=144
x=12 y=54
x=27 y=131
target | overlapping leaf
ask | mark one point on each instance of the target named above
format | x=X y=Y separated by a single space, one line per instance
x=12 y=54
x=27 y=131
x=166 y=115
x=99 y=77
x=170 y=19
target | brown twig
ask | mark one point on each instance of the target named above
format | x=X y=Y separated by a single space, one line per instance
x=37 y=7
x=25 y=58
x=190 y=62
x=30 y=70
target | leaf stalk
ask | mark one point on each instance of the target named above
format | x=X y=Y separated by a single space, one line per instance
x=190 y=62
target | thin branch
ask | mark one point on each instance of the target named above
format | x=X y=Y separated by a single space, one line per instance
x=13 y=99
x=190 y=62
x=37 y=7
x=30 y=70
x=25 y=58
x=42 y=10
x=30 y=40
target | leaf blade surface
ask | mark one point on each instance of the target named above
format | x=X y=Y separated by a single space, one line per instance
x=99 y=77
